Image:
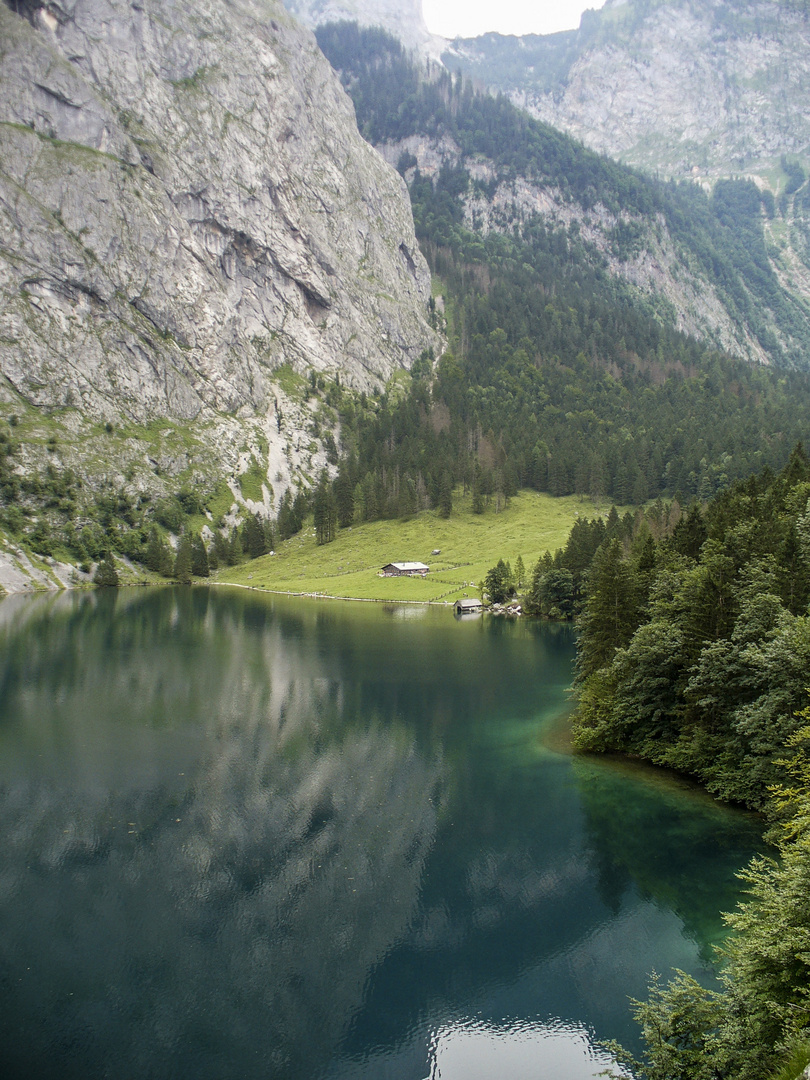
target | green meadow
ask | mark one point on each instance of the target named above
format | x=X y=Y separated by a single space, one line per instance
x=349 y=567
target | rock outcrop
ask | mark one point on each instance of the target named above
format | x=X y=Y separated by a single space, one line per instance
x=185 y=206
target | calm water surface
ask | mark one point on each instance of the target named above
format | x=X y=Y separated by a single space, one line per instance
x=246 y=836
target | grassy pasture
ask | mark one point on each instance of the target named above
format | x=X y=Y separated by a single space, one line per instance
x=470 y=544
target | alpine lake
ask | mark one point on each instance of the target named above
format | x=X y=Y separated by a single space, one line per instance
x=256 y=836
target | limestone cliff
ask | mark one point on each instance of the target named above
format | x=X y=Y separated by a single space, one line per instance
x=702 y=88
x=186 y=206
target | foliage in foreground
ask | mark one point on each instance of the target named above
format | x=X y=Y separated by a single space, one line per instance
x=694 y=650
x=693 y=653
x=758 y=1025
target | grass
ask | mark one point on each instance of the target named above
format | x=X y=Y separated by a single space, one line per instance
x=219 y=503
x=797 y=1061
x=250 y=482
x=293 y=384
x=469 y=543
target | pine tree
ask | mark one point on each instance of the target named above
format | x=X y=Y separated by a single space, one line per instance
x=610 y=613
x=344 y=495
x=255 y=538
x=182 y=562
x=106 y=574
x=221 y=549
x=520 y=573
x=477 y=491
x=324 y=511
x=199 y=557
x=166 y=564
x=234 y=547
x=153 y=550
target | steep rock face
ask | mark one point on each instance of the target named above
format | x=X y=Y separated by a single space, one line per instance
x=402 y=18
x=186 y=205
x=687 y=87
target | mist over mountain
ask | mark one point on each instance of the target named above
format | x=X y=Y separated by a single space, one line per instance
x=402 y=18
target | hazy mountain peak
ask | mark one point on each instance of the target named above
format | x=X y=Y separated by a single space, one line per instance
x=680 y=87
x=401 y=18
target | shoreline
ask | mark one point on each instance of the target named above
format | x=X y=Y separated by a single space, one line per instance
x=328 y=596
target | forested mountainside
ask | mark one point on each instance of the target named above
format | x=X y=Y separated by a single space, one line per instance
x=701 y=262
x=710 y=88
x=190 y=222
x=563 y=374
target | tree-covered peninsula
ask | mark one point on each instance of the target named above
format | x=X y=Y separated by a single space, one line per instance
x=694 y=649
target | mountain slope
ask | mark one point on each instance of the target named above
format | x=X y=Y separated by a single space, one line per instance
x=684 y=87
x=186 y=207
x=702 y=264
x=568 y=280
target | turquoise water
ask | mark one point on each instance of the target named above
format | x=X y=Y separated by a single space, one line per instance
x=247 y=836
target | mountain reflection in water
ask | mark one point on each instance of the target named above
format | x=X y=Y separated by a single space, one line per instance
x=252 y=837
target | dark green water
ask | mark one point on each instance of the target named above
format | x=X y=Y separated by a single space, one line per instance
x=251 y=837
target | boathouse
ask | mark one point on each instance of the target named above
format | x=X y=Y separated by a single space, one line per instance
x=467 y=606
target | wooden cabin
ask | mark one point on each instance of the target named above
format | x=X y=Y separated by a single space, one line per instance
x=405 y=569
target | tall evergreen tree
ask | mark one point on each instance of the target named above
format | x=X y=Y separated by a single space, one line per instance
x=153 y=550
x=610 y=613
x=182 y=562
x=106 y=573
x=255 y=537
x=344 y=497
x=324 y=510
x=520 y=573
x=235 y=549
x=199 y=557
x=166 y=565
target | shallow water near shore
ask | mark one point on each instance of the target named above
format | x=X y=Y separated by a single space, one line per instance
x=253 y=836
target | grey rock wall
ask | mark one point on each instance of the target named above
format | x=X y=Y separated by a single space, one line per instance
x=699 y=88
x=186 y=205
